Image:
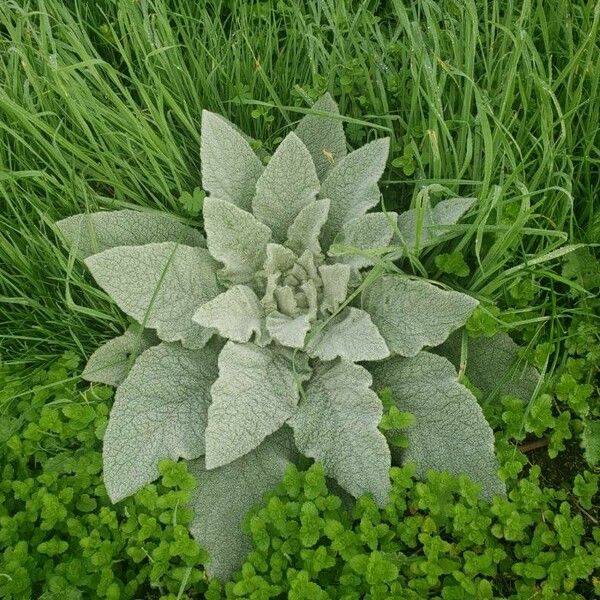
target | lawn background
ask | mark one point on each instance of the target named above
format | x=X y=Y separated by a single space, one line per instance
x=100 y=106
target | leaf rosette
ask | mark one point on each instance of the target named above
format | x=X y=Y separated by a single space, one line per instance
x=265 y=340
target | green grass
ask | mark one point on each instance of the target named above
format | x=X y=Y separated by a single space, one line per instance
x=100 y=106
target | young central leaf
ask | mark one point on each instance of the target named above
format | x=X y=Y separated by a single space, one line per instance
x=236 y=314
x=256 y=393
x=287 y=185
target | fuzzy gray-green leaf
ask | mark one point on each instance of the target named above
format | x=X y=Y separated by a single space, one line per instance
x=323 y=136
x=412 y=314
x=111 y=362
x=236 y=314
x=450 y=432
x=335 y=280
x=336 y=424
x=493 y=365
x=256 y=393
x=350 y=335
x=235 y=238
x=288 y=184
x=224 y=496
x=230 y=168
x=288 y=331
x=434 y=221
x=367 y=232
x=351 y=186
x=93 y=233
x=160 y=286
x=160 y=411
x=303 y=233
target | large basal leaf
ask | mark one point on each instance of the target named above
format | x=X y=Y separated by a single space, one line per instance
x=323 y=136
x=160 y=286
x=93 y=233
x=350 y=335
x=433 y=221
x=230 y=168
x=303 y=233
x=256 y=393
x=111 y=362
x=493 y=365
x=224 y=496
x=367 y=232
x=412 y=314
x=160 y=411
x=336 y=424
x=450 y=432
x=236 y=314
x=288 y=184
x=351 y=185
x=235 y=238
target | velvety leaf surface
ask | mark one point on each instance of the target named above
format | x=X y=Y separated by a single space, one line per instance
x=323 y=136
x=351 y=185
x=236 y=314
x=335 y=279
x=303 y=233
x=230 y=168
x=412 y=314
x=288 y=331
x=224 y=496
x=373 y=230
x=255 y=394
x=336 y=424
x=93 y=233
x=160 y=286
x=111 y=362
x=160 y=411
x=493 y=365
x=350 y=335
x=450 y=432
x=446 y=212
x=235 y=238
x=288 y=184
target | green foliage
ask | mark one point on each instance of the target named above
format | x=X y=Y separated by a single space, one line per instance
x=192 y=202
x=60 y=536
x=100 y=106
x=434 y=539
x=453 y=264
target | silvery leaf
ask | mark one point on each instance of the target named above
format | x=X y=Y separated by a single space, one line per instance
x=160 y=286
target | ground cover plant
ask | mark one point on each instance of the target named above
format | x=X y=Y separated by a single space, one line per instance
x=101 y=110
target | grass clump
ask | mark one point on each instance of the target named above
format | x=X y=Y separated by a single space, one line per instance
x=100 y=106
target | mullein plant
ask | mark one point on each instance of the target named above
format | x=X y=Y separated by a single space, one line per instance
x=266 y=339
